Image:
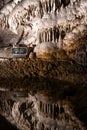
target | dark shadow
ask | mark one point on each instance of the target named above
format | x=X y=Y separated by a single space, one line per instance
x=5 y=125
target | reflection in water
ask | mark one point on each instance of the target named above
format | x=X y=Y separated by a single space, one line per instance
x=5 y=125
x=42 y=104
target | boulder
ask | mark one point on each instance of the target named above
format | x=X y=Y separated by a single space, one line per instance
x=45 y=50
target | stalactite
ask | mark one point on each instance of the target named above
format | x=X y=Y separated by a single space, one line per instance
x=58 y=5
x=54 y=6
x=57 y=35
x=49 y=3
x=45 y=36
x=47 y=6
x=39 y=37
x=54 y=34
x=65 y=2
x=49 y=35
x=40 y=9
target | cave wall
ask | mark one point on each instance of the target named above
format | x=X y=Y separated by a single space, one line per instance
x=61 y=23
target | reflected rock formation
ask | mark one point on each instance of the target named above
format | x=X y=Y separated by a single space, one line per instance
x=35 y=112
x=52 y=106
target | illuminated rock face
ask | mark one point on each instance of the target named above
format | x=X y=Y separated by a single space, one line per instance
x=57 y=21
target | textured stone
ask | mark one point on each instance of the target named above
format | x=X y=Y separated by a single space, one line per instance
x=44 y=50
x=59 y=22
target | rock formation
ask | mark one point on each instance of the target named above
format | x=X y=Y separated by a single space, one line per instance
x=62 y=23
